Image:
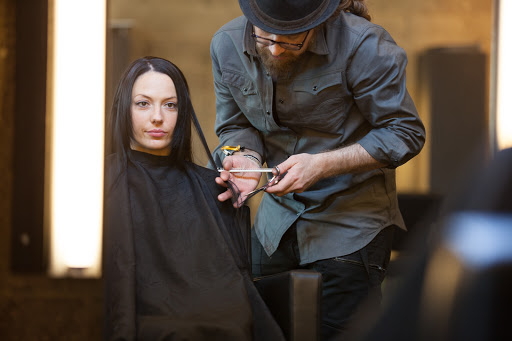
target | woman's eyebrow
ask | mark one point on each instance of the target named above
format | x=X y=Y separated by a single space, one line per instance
x=142 y=95
x=149 y=97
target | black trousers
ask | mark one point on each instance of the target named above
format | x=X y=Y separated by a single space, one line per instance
x=347 y=281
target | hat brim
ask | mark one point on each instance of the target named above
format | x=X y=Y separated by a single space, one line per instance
x=273 y=26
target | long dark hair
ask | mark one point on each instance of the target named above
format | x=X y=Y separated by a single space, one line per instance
x=357 y=7
x=120 y=122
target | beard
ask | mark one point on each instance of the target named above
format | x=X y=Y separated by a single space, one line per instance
x=278 y=68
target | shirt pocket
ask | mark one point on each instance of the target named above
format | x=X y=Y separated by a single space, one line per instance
x=242 y=88
x=321 y=101
x=245 y=94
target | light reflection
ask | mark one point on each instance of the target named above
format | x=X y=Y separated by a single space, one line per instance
x=503 y=74
x=77 y=44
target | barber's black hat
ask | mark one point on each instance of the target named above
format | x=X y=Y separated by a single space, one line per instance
x=287 y=16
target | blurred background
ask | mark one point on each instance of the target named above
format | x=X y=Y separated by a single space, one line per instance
x=448 y=44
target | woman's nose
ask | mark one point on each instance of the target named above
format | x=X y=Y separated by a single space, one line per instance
x=156 y=116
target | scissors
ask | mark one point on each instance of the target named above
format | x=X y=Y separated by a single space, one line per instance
x=235 y=170
x=274 y=180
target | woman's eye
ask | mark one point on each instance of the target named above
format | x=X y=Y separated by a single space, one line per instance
x=142 y=104
x=171 y=105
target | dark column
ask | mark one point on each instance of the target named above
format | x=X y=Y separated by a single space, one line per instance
x=454 y=85
x=27 y=245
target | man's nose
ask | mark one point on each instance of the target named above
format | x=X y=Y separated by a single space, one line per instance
x=276 y=49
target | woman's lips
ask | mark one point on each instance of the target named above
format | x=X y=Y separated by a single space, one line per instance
x=156 y=133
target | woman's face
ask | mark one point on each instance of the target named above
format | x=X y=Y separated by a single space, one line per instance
x=154 y=111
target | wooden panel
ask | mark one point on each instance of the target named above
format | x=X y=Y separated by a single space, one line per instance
x=27 y=237
x=455 y=86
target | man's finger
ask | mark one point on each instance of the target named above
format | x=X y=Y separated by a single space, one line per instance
x=227 y=163
x=221 y=181
x=224 y=175
x=224 y=196
x=281 y=188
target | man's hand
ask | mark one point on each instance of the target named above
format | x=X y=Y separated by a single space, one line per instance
x=299 y=172
x=245 y=182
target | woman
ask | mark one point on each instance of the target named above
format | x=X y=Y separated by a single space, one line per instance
x=175 y=263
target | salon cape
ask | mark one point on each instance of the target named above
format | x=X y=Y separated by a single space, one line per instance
x=180 y=271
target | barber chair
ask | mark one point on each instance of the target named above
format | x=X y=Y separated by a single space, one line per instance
x=420 y=212
x=293 y=297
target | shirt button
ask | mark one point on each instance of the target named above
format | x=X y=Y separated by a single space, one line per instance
x=281 y=101
x=268 y=112
x=315 y=88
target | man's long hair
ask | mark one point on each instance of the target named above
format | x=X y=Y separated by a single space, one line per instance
x=357 y=7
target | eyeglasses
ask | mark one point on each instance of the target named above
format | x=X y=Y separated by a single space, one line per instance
x=286 y=46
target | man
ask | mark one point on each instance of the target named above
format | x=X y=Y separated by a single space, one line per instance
x=314 y=89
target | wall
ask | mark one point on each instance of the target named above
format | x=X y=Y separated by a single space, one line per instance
x=419 y=25
x=182 y=34
x=33 y=307
x=415 y=25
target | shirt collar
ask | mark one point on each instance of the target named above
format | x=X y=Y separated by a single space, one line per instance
x=249 y=43
x=317 y=46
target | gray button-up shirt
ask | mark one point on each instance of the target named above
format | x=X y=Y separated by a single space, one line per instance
x=349 y=88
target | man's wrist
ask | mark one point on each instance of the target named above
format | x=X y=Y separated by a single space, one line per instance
x=230 y=150
x=253 y=158
x=240 y=150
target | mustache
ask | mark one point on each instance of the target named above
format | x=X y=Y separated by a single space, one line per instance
x=277 y=67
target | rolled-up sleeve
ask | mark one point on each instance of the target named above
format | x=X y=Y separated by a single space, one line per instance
x=377 y=78
x=231 y=125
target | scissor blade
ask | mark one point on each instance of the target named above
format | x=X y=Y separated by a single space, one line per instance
x=261 y=170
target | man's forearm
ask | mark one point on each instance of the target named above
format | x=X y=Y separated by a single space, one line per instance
x=350 y=159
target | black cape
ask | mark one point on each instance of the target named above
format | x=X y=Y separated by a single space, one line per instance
x=176 y=265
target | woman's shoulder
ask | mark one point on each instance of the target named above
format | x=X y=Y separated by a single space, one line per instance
x=205 y=173
x=207 y=176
